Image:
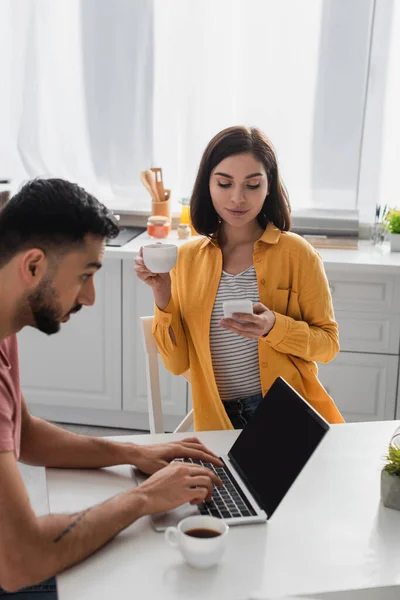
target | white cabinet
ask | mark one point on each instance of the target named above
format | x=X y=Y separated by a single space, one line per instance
x=80 y=367
x=368 y=332
x=137 y=301
x=362 y=385
x=363 y=378
x=362 y=291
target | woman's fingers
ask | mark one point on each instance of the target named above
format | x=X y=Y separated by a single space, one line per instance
x=247 y=330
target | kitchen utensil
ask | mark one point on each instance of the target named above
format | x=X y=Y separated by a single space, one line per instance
x=159 y=183
x=149 y=181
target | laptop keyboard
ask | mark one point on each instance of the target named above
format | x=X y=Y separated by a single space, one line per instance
x=228 y=501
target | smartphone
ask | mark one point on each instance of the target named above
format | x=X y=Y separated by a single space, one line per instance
x=237 y=306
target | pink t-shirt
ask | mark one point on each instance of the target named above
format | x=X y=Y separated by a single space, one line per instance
x=10 y=397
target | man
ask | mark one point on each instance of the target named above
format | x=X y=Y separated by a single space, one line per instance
x=52 y=238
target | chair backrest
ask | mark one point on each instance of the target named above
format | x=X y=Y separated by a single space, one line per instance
x=154 y=397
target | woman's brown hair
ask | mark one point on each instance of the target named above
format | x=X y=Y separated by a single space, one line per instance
x=239 y=140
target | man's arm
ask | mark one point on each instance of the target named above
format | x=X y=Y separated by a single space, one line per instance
x=33 y=549
x=45 y=444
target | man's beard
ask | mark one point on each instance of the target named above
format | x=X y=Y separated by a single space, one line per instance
x=46 y=309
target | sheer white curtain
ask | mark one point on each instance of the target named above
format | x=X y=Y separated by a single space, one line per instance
x=77 y=95
x=97 y=90
x=298 y=70
x=390 y=158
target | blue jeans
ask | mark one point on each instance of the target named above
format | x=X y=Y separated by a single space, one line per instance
x=240 y=411
x=43 y=591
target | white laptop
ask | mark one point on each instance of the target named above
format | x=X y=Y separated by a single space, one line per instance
x=254 y=481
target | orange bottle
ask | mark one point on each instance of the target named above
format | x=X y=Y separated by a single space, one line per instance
x=185 y=214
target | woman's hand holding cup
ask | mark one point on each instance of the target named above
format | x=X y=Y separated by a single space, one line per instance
x=152 y=266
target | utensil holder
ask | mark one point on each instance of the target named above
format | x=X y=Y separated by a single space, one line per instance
x=377 y=234
x=162 y=209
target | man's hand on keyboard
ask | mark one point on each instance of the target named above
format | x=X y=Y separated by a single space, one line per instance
x=176 y=484
x=153 y=457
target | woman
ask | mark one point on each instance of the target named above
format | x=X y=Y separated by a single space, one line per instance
x=241 y=207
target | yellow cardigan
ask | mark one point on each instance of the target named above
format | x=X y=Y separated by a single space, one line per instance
x=291 y=282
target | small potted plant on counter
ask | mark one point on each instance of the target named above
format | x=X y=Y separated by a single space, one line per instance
x=390 y=479
x=392 y=224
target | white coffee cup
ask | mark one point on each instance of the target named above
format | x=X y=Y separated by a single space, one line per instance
x=160 y=258
x=199 y=552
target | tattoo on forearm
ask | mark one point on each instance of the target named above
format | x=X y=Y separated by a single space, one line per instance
x=72 y=525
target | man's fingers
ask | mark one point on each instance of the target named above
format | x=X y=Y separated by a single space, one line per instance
x=194 y=442
x=197 y=444
x=202 y=482
x=188 y=439
x=197 y=470
x=199 y=495
x=198 y=453
x=201 y=447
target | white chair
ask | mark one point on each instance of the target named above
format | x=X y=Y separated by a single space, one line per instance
x=153 y=382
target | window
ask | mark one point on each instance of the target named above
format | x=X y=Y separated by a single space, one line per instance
x=298 y=70
x=98 y=90
x=381 y=139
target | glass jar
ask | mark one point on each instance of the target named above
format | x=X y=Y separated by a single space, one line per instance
x=158 y=227
x=184 y=231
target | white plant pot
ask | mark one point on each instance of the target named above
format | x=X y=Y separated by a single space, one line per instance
x=395 y=242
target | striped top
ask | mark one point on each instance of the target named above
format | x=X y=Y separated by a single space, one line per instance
x=235 y=358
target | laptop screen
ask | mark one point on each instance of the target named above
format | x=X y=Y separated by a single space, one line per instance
x=276 y=444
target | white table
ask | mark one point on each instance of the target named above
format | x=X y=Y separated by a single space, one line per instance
x=329 y=533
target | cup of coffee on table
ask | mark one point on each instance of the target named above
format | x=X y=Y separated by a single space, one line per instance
x=200 y=539
x=160 y=258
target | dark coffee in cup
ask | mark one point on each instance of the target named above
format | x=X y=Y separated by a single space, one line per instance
x=203 y=533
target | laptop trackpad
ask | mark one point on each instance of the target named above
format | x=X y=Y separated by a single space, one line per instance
x=161 y=521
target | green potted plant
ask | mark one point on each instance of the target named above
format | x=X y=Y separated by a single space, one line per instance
x=390 y=479
x=391 y=222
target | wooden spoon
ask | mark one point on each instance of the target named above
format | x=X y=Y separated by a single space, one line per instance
x=159 y=183
x=148 y=180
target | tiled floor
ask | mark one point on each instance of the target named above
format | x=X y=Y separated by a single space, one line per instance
x=34 y=477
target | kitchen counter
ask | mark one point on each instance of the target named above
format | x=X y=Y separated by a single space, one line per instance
x=131 y=249
x=367 y=258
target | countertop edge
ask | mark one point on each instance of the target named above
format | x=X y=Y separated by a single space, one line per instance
x=367 y=259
